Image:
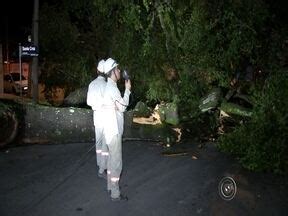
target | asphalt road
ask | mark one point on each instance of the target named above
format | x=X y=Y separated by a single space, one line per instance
x=61 y=180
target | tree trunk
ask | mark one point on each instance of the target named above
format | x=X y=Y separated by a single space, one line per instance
x=9 y=127
x=45 y=124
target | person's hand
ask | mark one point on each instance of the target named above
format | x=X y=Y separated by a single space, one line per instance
x=128 y=84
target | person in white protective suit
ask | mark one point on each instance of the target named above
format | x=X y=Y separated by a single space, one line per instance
x=95 y=100
x=114 y=106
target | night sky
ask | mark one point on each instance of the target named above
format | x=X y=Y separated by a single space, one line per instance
x=18 y=17
x=16 y=23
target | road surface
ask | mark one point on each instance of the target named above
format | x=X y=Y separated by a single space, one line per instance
x=61 y=180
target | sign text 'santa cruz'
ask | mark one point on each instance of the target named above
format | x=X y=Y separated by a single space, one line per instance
x=29 y=51
x=29 y=48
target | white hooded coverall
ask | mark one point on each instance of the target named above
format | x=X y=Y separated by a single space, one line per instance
x=95 y=100
x=114 y=106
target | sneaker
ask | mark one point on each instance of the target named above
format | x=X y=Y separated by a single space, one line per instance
x=102 y=175
x=120 y=198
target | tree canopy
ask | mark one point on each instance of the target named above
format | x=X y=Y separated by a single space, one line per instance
x=175 y=50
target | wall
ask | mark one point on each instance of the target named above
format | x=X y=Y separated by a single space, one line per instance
x=14 y=67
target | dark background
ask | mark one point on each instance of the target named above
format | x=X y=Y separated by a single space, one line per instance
x=16 y=20
x=16 y=25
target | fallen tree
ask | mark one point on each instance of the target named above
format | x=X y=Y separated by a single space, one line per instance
x=46 y=124
x=42 y=124
x=8 y=127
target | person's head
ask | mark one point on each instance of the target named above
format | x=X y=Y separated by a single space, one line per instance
x=100 y=67
x=111 y=69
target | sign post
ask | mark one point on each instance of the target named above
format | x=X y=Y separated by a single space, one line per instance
x=1 y=71
x=20 y=68
x=26 y=51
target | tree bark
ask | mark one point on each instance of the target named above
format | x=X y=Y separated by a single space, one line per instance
x=9 y=127
x=45 y=124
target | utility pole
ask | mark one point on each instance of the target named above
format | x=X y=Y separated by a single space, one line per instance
x=1 y=71
x=35 y=26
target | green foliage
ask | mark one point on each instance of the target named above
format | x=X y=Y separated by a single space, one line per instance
x=72 y=74
x=59 y=37
x=207 y=38
x=3 y=108
x=216 y=36
x=11 y=106
x=159 y=90
x=205 y=42
x=261 y=144
x=168 y=113
x=141 y=110
x=66 y=60
x=189 y=91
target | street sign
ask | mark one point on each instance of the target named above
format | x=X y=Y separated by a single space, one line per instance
x=29 y=51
